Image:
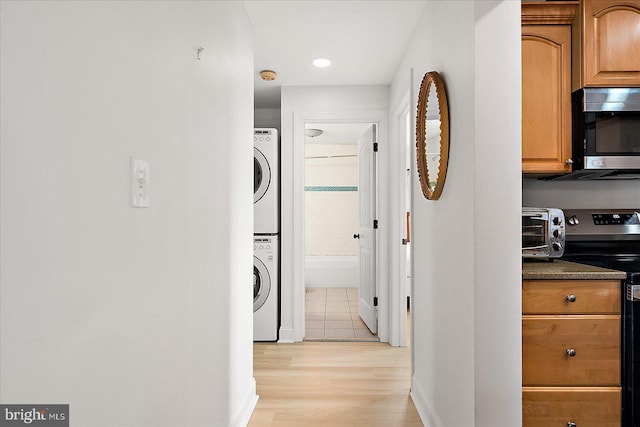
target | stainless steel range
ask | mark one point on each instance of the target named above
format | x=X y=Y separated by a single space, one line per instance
x=610 y=238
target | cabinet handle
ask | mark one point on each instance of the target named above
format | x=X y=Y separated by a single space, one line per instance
x=571 y=352
x=569 y=161
x=571 y=298
x=571 y=424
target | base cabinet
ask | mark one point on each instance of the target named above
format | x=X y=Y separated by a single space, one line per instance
x=571 y=353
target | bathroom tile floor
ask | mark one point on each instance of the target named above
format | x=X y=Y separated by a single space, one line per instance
x=331 y=314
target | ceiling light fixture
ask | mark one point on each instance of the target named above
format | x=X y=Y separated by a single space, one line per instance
x=312 y=133
x=321 y=62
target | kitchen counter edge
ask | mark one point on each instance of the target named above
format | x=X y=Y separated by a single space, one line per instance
x=565 y=270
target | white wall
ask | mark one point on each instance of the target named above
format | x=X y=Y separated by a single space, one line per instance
x=331 y=216
x=134 y=317
x=267 y=118
x=581 y=194
x=315 y=104
x=466 y=295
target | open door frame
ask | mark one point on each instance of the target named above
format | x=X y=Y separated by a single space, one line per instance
x=400 y=131
x=297 y=238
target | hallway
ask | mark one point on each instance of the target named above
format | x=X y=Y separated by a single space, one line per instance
x=333 y=384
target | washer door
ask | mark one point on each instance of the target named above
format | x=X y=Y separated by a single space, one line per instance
x=261 y=175
x=261 y=284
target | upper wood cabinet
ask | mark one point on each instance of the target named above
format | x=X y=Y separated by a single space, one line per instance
x=546 y=86
x=606 y=44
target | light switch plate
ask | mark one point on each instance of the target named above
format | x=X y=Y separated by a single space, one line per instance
x=139 y=183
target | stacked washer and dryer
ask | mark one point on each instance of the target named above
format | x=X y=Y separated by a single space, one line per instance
x=266 y=232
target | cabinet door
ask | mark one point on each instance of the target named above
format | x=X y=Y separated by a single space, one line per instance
x=546 y=98
x=547 y=341
x=559 y=406
x=611 y=42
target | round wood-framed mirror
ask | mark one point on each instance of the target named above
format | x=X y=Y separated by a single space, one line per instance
x=432 y=135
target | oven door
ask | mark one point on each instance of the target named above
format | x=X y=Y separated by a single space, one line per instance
x=535 y=236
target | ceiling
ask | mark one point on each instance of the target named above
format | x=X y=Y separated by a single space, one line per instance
x=365 y=41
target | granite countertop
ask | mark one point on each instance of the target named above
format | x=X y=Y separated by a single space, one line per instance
x=533 y=269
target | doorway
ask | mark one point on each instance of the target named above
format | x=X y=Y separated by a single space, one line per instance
x=293 y=284
x=340 y=189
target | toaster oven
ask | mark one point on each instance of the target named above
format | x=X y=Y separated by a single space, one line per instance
x=543 y=232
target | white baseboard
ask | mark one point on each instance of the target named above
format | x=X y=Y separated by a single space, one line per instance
x=286 y=335
x=331 y=271
x=427 y=415
x=249 y=404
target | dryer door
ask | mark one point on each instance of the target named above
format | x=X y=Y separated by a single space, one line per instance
x=261 y=284
x=261 y=175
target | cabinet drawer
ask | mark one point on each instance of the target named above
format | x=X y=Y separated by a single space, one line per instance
x=594 y=338
x=587 y=407
x=555 y=297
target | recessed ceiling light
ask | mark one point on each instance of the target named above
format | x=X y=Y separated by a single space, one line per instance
x=321 y=62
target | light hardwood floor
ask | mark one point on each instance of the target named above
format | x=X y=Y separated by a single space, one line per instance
x=325 y=384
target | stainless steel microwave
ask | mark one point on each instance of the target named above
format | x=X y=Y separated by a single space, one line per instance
x=606 y=129
x=543 y=233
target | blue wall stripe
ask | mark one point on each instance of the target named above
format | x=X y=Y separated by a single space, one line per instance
x=330 y=188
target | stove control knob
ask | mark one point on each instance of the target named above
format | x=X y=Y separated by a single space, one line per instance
x=556 y=233
x=573 y=220
x=557 y=221
x=556 y=246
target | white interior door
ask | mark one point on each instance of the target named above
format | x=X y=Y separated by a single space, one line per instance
x=366 y=234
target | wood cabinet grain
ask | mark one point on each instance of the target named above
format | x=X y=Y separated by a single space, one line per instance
x=594 y=341
x=606 y=44
x=570 y=296
x=571 y=352
x=546 y=86
x=559 y=406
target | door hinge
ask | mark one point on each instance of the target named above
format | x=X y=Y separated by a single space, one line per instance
x=375 y=147
x=375 y=224
x=375 y=301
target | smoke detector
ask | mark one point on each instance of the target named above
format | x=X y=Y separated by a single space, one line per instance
x=268 y=75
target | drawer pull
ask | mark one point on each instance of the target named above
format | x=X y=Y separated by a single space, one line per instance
x=571 y=298
x=571 y=352
x=571 y=424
